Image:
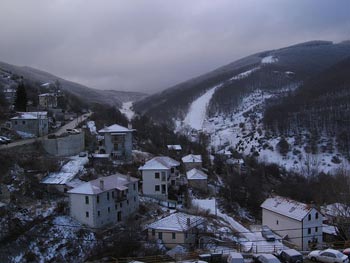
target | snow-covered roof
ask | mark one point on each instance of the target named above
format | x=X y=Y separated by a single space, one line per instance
x=47 y=95
x=287 y=207
x=114 y=128
x=330 y=230
x=160 y=163
x=68 y=171
x=116 y=181
x=30 y=115
x=176 y=222
x=337 y=209
x=192 y=158
x=196 y=174
x=174 y=147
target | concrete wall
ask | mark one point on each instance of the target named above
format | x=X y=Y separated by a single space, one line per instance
x=105 y=211
x=65 y=146
x=314 y=225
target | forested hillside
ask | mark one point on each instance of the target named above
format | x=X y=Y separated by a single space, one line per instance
x=321 y=106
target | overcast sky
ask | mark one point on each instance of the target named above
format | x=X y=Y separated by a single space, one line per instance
x=151 y=45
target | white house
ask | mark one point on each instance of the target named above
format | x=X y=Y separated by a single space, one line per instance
x=158 y=174
x=300 y=223
x=104 y=201
x=192 y=161
x=117 y=142
x=197 y=179
x=176 y=229
x=34 y=123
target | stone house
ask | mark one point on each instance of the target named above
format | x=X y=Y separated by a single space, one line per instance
x=47 y=101
x=197 y=179
x=192 y=161
x=104 y=201
x=117 y=142
x=300 y=223
x=177 y=229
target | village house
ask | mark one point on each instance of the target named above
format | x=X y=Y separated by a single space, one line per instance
x=174 y=148
x=192 y=161
x=299 y=223
x=47 y=101
x=104 y=201
x=158 y=174
x=117 y=142
x=177 y=229
x=33 y=123
x=197 y=179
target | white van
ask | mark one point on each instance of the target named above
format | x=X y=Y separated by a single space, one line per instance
x=235 y=257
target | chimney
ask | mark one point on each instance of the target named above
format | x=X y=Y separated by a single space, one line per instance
x=129 y=126
x=129 y=177
x=188 y=221
x=102 y=184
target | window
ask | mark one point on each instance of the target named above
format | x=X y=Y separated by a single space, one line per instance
x=316 y=229
x=15 y=122
x=153 y=232
x=98 y=199
x=156 y=175
x=134 y=186
x=316 y=215
x=23 y=122
x=121 y=205
x=86 y=200
x=112 y=194
x=87 y=214
x=172 y=170
x=173 y=235
x=127 y=202
x=98 y=213
x=309 y=231
x=160 y=235
x=134 y=198
x=109 y=209
x=116 y=206
x=276 y=222
x=156 y=188
x=107 y=195
x=127 y=191
x=309 y=217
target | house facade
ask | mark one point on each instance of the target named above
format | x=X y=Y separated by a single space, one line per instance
x=192 y=161
x=117 y=142
x=157 y=176
x=177 y=229
x=35 y=123
x=197 y=179
x=48 y=100
x=300 y=223
x=104 y=201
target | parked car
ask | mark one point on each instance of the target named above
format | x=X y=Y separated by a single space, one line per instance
x=2 y=141
x=235 y=257
x=72 y=131
x=346 y=251
x=290 y=256
x=265 y=258
x=328 y=256
x=266 y=232
x=5 y=139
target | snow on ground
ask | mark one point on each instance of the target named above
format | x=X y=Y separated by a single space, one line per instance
x=126 y=110
x=92 y=127
x=253 y=241
x=244 y=74
x=269 y=60
x=68 y=171
x=25 y=135
x=198 y=109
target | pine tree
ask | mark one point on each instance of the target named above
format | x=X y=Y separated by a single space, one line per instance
x=21 y=98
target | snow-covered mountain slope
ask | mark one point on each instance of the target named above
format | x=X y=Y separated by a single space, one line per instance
x=243 y=130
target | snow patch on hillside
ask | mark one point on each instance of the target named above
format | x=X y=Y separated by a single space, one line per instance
x=126 y=109
x=269 y=60
x=198 y=109
x=244 y=74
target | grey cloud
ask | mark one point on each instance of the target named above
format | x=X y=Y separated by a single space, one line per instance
x=151 y=45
